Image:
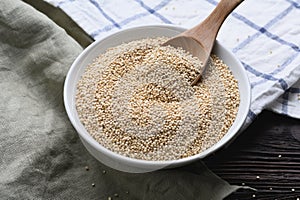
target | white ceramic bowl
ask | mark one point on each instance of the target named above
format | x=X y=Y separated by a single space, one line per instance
x=127 y=164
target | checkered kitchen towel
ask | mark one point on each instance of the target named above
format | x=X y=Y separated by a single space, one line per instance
x=264 y=35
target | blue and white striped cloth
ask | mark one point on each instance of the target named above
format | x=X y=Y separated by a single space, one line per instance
x=264 y=35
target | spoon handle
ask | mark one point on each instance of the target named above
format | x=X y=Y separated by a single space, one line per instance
x=206 y=32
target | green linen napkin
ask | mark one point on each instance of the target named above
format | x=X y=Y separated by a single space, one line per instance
x=41 y=155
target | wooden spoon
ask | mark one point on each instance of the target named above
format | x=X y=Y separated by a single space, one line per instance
x=200 y=39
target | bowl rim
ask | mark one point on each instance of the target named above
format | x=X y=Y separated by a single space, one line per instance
x=139 y=162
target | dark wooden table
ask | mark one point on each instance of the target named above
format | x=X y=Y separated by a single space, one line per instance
x=266 y=156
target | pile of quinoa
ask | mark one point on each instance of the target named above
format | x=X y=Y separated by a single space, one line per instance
x=136 y=99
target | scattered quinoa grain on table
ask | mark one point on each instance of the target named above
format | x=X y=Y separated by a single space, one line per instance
x=136 y=99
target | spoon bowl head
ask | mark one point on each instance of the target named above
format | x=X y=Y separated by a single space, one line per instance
x=192 y=46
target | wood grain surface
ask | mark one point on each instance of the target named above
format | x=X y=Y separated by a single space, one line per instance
x=266 y=157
